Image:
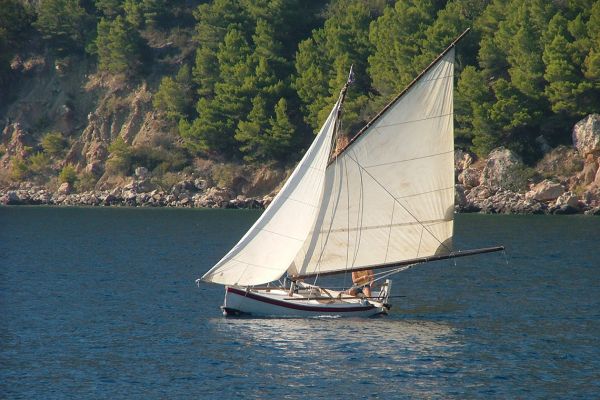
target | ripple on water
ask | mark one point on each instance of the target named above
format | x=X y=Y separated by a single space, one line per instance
x=101 y=303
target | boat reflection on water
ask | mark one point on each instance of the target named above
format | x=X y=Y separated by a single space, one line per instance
x=353 y=353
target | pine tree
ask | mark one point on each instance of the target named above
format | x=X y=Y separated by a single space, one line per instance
x=63 y=23
x=473 y=102
x=144 y=13
x=118 y=46
x=492 y=56
x=514 y=119
x=592 y=60
x=451 y=21
x=524 y=56
x=396 y=36
x=110 y=8
x=214 y=21
x=174 y=96
x=323 y=62
x=311 y=82
x=15 y=29
x=133 y=13
x=214 y=129
x=281 y=133
x=206 y=71
x=560 y=71
x=250 y=133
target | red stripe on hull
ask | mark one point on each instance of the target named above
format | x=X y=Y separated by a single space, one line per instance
x=300 y=307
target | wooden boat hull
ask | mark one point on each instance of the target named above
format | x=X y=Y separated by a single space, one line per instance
x=278 y=303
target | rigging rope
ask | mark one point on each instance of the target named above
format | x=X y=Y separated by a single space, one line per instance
x=398 y=201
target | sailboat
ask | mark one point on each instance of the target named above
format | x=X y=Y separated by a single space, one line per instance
x=384 y=202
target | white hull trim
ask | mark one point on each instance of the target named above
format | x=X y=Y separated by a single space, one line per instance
x=277 y=302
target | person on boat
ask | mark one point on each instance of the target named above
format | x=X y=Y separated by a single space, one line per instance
x=362 y=283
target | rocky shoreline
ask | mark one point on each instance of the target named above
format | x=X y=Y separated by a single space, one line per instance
x=565 y=181
x=131 y=196
x=481 y=199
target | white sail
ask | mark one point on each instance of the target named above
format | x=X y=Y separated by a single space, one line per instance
x=389 y=196
x=269 y=247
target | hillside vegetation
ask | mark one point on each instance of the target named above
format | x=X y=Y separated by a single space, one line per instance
x=249 y=81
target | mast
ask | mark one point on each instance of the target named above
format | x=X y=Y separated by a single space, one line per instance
x=419 y=260
x=399 y=96
x=396 y=183
x=338 y=117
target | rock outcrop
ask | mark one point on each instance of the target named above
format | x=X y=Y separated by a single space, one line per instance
x=545 y=191
x=17 y=142
x=132 y=195
x=561 y=162
x=586 y=135
x=499 y=168
x=566 y=180
x=470 y=177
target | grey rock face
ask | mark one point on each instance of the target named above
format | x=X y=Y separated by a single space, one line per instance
x=499 y=168
x=545 y=191
x=586 y=135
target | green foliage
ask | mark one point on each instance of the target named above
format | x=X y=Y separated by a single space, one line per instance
x=224 y=174
x=396 y=36
x=40 y=164
x=529 y=68
x=281 y=133
x=174 y=96
x=19 y=170
x=37 y=167
x=519 y=177
x=165 y=181
x=524 y=55
x=118 y=46
x=15 y=26
x=311 y=64
x=263 y=138
x=251 y=133
x=109 y=8
x=54 y=144
x=119 y=161
x=214 y=129
x=68 y=175
x=473 y=102
x=85 y=182
x=158 y=160
x=63 y=24
x=244 y=56
x=215 y=20
x=529 y=79
x=133 y=13
x=145 y=13
x=324 y=60
x=124 y=159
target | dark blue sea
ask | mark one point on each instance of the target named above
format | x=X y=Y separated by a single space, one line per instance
x=100 y=303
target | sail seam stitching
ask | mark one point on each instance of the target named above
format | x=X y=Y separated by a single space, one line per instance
x=254 y=265
x=410 y=159
x=419 y=194
x=429 y=222
x=401 y=205
x=441 y=77
x=282 y=235
x=301 y=202
x=413 y=120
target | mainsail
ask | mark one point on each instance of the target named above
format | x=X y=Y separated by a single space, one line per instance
x=389 y=196
x=267 y=249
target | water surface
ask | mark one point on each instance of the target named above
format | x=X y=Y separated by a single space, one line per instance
x=101 y=303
